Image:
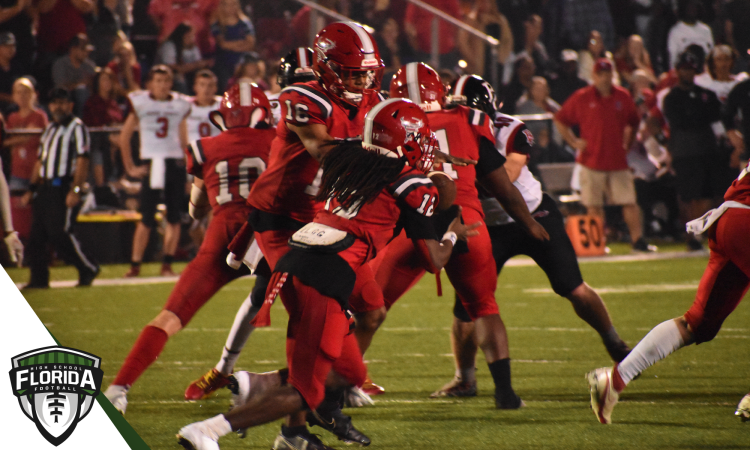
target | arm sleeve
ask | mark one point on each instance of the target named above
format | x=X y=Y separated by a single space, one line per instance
x=416 y=192
x=195 y=157
x=489 y=158
x=567 y=114
x=521 y=141
x=417 y=226
x=83 y=140
x=301 y=105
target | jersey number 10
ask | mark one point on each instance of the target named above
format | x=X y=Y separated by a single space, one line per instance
x=246 y=165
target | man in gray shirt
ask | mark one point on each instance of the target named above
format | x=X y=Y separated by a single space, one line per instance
x=75 y=71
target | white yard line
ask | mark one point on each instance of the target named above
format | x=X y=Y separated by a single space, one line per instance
x=516 y=262
x=631 y=289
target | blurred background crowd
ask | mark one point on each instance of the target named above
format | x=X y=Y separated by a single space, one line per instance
x=101 y=49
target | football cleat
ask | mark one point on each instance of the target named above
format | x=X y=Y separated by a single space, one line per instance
x=456 y=388
x=166 y=270
x=354 y=397
x=118 y=396
x=134 y=271
x=743 y=409
x=203 y=387
x=340 y=425
x=508 y=401
x=604 y=397
x=304 y=441
x=198 y=436
x=371 y=388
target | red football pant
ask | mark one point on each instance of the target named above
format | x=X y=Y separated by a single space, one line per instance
x=399 y=267
x=318 y=337
x=200 y=280
x=208 y=271
x=727 y=277
x=273 y=244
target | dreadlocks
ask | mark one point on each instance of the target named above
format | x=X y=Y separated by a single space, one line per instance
x=354 y=175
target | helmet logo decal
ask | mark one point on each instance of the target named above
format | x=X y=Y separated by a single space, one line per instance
x=326 y=45
x=411 y=126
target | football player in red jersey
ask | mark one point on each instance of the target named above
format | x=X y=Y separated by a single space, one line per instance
x=467 y=133
x=225 y=167
x=348 y=70
x=294 y=68
x=369 y=187
x=724 y=283
x=555 y=256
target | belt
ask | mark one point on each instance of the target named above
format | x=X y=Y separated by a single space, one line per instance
x=57 y=182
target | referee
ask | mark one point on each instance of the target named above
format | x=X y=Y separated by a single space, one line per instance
x=56 y=192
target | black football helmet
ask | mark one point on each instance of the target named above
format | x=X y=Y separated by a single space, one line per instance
x=296 y=67
x=474 y=92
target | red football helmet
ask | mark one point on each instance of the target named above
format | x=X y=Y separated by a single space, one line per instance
x=399 y=128
x=243 y=105
x=345 y=51
x=421 y=84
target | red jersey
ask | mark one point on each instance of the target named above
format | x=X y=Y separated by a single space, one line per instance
x=230 y=163
x=602 y=121
x=459 y=131
x=289 y=186
x=374 y=222
x=24 y=156
x=739 y=191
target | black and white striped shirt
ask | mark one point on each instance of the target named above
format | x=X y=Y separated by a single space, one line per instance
x=60 y=146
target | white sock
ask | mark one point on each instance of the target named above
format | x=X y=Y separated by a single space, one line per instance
x=467 y=375
x=661 y=341
x=219 y=425
x=238 y=335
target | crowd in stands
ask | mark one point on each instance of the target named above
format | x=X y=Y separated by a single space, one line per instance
x=100 y=49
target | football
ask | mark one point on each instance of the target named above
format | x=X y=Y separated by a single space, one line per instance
x=446 y=188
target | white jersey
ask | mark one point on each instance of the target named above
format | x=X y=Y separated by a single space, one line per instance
x=507 y=129
x=275 y=106
x=720 y=88
x=198 y=125
x=159 y=122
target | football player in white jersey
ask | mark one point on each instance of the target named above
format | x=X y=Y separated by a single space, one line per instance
x=159 y=114
x=205 y=101
x=555 y=256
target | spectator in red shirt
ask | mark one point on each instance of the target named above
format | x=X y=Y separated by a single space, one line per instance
x=608 y=119
x=418 y=27
x=169 y=13
x=24 y=147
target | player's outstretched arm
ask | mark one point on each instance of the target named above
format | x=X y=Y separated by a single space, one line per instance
x=314 y=137
x=440 y=252
x=500 y=186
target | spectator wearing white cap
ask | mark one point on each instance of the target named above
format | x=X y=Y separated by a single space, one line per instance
x=566 y=81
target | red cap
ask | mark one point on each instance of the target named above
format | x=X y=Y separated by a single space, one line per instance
x=602 y=64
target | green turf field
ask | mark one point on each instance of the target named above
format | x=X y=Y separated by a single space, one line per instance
x=684 y=402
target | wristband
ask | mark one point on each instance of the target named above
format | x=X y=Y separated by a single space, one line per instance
x=450 y=236
x=76 y=190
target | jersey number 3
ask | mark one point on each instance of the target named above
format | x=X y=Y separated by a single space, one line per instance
x=254 y=164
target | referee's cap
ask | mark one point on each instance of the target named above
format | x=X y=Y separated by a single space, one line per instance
x=60 y=94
